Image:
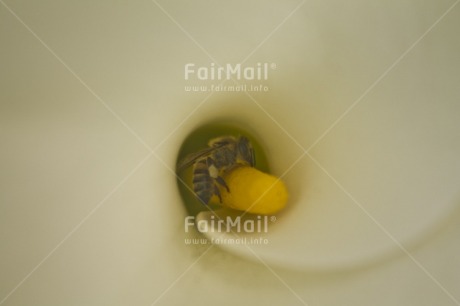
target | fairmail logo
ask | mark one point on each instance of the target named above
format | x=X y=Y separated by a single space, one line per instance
x=229 y=224
x=238 y=72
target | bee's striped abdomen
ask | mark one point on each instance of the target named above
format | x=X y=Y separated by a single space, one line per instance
x=203 y=183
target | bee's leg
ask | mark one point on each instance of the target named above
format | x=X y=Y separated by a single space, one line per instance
x=213 y=171
x=221 y=181
x=217 y=192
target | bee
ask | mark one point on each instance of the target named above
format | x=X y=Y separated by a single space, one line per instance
x=210 y=164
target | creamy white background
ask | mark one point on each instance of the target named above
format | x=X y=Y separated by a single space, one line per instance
x=63 y=152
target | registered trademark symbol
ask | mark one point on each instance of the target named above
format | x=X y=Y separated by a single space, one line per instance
x=273 y=218
x=273 y=66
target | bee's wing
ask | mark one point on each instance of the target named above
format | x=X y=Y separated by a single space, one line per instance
x=252 y=159
x=246 y=151
x=192 y=158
